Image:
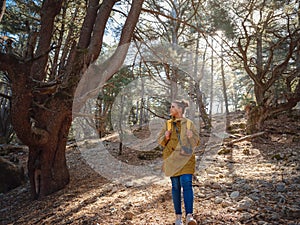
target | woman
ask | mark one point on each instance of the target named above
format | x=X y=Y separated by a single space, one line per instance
x=179 y=137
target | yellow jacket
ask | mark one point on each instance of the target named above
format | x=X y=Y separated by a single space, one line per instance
x=176 y=163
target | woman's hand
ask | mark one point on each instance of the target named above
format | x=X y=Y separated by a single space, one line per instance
x=167 y=134
x=189 y=133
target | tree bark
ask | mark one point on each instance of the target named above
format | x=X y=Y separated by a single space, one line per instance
x=42 y=112
x=258 y=114
x=47 y=166
x=199 y=95
x=205 y=117
x=211 y=81
x=256 y=117
x=2 y=8
x=224 y=84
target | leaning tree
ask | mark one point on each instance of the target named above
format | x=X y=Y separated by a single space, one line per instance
x=44 y=79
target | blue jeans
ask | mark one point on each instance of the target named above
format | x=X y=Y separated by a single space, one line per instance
x=184 y=181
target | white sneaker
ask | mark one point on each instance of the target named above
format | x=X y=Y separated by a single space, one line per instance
x=178 y=220
x=190 y=220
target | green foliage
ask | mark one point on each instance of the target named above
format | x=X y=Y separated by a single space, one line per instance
x=114 y=85
x=107 y=96
x=21 y=17
x=219 y=18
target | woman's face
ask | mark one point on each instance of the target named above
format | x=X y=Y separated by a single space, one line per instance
x=175 y=110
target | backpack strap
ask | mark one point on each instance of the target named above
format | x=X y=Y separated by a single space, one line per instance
x=188 y=124
x=169 y=124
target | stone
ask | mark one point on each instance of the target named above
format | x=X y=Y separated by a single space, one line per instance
x=244 y=204
x=280 y=187
x=129 y=215
x=226 y=203
x=218 y=200
x=201 y=195
x=11 y=175
x=246 y=216
x=234 y=194
x=254 y=196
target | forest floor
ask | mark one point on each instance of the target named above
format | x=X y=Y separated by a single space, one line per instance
x=255 y=181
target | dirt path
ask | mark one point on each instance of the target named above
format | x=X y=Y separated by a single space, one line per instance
x=253 y=182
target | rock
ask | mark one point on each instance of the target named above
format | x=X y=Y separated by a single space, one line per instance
x=275 y=216
x=244 y=204
x=247 y=187
x=262 y=222
x=295 y=187
x=254 y=197
x=129 y=184
x=266 y=184
x=128 y=215
x=232 y=209
x=218 y=200
x=212 y=184
x=246 y=216
x=201 y=195
x=226 y=203
x=234 y=194
x=278 y=156
x=292 y=212
x=280 y=187
x=215 y=185
x=11 y=175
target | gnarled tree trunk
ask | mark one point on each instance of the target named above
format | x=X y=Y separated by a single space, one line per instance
x=41 y=110
x=257 y=115
x=255 y=119
x=47 y=166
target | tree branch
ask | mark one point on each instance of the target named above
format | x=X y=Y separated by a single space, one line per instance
x=247 y=137
x=49 y=11
x=98 y=30
x=88 y=24
x=2 y=8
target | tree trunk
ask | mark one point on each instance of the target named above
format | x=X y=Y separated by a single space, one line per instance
x=203 y=113
x=47 y=167
x=42 y=123
x=259 y=95
x=224 y=84
x=199 y=96
x=258 y=114
x=256 y=117
x=211 y=80
x=142 y=107
x=42 y=112
x=2 y=8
